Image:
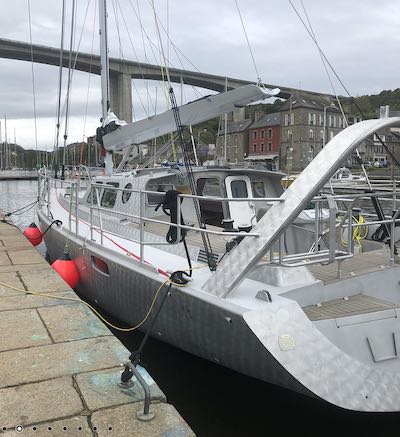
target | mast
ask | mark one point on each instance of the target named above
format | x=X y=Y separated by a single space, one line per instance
x=5 y=144
x=1 y=150
x=105 y=77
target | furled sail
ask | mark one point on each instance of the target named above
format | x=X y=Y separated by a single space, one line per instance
x=192 y=113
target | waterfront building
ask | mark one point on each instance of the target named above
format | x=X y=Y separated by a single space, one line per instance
x=264 y=140
x=307 y=124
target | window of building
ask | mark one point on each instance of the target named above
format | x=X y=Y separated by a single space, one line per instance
x=289 y=135
x=377 y=136
x=254 y=148
x=262 y=147
x=311 y=134
x=321 y=120
x=331 y=135
x=340 y=122
x=330 y=120
x=262 y=133
x=228 y=139
x=269 y=133
x=310 y=118
x=321 y=134
x=334 y=121
x=292 y=118
x=255 y=135
x=286 y=119
x=269 y=147
x=314 y=119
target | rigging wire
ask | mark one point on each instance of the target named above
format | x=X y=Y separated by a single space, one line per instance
x=38 y=160
x=211 y=261
x=325 y=62
x=259 y=81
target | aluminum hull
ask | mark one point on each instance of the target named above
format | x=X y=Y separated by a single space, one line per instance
x=186 y=321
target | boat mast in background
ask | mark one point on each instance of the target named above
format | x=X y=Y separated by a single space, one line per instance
x=105 y=75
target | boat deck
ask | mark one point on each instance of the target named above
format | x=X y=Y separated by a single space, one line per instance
x=348 y=306
x=218 y=242
x=359 y=264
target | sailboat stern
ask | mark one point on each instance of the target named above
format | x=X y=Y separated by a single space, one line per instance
x=321 y=367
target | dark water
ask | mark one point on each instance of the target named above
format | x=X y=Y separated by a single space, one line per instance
x=216 y=401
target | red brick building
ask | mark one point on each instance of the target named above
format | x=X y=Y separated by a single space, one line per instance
x=264 y=140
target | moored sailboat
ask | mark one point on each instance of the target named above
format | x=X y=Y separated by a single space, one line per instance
x=262 y=292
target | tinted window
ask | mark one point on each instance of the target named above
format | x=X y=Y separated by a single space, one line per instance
x=109 y=196
x=155 y=199
x=258 y=188
x=126 y=194
x=239 y=189
x=209 y=187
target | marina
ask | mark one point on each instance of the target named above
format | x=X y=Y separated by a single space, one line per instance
x=60 y=366
x=188 y=252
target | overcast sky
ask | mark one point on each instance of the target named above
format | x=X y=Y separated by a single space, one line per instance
x=361 y=39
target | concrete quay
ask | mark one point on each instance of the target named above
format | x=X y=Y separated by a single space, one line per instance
x=59 y=364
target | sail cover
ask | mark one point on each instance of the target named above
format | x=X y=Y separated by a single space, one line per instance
x=192 y=113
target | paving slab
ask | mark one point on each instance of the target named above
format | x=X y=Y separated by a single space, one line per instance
x=51 y=361
x=10 y=278
x=78 y=322
x=26 y=256
x=33 y=403
x=23 y=301
x=76 y=426
x=101 y=389
x=23 y=267
x=22 y=328
x=14 y=244
x=123 y=422
x=4 y=259
x=7 y=230
x=43 y=279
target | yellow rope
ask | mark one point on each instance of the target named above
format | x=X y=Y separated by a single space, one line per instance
x=118 y=328
x=357 y=235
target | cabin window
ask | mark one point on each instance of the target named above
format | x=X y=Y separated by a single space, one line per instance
x=155 y=199
x=209 y=187
x=109 y=195
x=93 y=194
x=126 y=194
x=239 y=189
x=212 y=211
x=258 y=188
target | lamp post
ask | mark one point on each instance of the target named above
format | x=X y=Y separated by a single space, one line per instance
x=332 y=105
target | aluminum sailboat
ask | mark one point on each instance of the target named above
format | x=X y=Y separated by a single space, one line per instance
x=277 y=295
